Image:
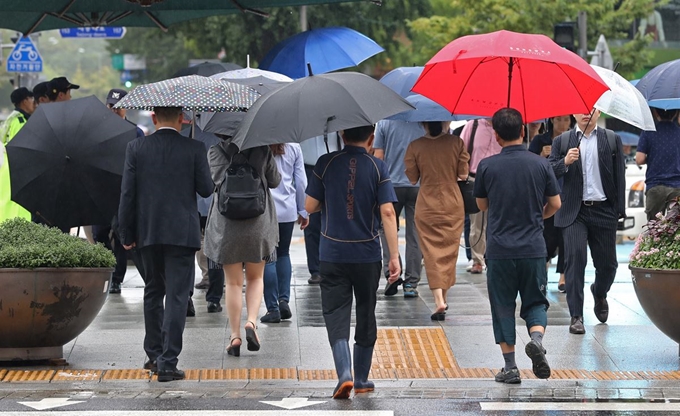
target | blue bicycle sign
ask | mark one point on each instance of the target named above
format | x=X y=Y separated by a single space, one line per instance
x=24 y=57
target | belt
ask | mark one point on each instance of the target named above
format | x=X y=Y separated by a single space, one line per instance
x=472 y=175
x=593 y=203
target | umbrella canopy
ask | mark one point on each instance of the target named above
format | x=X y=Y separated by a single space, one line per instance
x=402 y=79
x=228 y=122
x=661 y=86
x=250 y=73
x=193 y=92
x=325 y=49
x=427 y=110
x=480 y=74
x=624 y=101
x=66 y=163
x=29 y=16
x=206 y=69
x=316 y=105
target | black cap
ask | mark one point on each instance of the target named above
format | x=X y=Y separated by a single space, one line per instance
x=19 y=95
x=40 y=89
x=61 y=84
x=115 y=95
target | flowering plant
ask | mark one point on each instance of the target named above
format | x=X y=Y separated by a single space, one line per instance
x=658 y=247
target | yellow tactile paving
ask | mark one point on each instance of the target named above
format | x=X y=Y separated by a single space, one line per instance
x=14 y=376
x=78 y=375
x=127 y=374
x=408 y=353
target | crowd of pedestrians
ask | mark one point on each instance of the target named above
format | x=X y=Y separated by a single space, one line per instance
x=346 y=191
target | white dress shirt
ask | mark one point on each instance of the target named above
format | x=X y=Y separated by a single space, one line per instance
x=590 y=162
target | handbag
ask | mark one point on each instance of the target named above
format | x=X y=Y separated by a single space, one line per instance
x=467 y=186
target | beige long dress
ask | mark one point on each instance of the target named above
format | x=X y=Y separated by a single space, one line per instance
x=438 y=163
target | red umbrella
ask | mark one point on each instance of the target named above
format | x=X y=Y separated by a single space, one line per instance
x=480 y=74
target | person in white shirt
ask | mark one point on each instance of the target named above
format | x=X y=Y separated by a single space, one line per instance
x=289 y=198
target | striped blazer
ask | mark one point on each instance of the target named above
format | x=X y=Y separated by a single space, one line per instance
x=612 y=172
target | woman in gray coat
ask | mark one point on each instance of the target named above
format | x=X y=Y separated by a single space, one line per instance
x=235 y=242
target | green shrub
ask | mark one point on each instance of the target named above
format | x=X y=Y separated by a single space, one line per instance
x=26 y=245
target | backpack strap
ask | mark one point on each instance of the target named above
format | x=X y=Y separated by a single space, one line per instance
x=611 y=138
x=472 y=137
x=564 y=143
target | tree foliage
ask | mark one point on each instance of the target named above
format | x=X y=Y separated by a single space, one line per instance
x=613 y=18
x=243 y=35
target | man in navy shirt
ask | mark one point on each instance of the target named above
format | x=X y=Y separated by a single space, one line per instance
x=660 y=150
x=513 y=187
x=353 y=191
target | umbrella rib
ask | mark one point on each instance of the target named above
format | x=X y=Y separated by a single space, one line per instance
x=521 y=88
x=572 y=83
x=154 y=19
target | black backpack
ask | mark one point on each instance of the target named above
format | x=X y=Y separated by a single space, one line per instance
x=242 y=194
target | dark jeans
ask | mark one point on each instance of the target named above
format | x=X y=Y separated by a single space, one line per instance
x=338 y=282
x=312 y=234
x=100 y=234
x=215 y=285
x=170 y=275
x=277 y=274
x=507 y=278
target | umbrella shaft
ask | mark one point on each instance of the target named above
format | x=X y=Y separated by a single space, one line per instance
x=510 y=66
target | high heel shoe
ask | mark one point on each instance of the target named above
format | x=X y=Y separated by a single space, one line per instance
x=251 y=337
x=234 y=350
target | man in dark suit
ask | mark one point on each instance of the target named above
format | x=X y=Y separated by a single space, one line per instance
x=592 y=202
x=158 y=215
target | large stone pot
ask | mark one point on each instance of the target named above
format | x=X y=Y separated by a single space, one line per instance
x=43 y=309
x=659 y=294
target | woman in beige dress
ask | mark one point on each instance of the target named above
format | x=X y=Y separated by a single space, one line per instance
x=438 y=160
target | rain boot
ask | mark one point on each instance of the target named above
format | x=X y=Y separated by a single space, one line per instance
x=362 y=365
x=343 y=366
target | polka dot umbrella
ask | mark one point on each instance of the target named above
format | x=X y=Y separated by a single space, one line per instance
x=192 y=93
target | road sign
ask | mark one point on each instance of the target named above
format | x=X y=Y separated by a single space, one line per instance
x=107 y=32
x=24 y=57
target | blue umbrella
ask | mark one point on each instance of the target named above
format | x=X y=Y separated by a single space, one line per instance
x=661 y=86
x=427 y=110
x=325 y=49
x=402 y=79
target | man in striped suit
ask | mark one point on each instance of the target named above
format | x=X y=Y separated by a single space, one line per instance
x=592 y=202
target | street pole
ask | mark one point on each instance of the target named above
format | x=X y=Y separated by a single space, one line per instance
x=303 y=19
x=583 y=34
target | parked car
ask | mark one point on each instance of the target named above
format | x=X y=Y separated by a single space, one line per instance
x=636 y=218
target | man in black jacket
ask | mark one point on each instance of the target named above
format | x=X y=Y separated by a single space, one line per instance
x=158 y=215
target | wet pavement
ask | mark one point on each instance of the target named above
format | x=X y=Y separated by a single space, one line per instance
x=440 y=367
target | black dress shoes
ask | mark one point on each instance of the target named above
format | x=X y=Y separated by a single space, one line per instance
x=151 y=365
x=170 y=375
x=214 y=307
x=115 y=287
x=601 y=308
x=576 y=326
x=191 y=310
x=315 y=279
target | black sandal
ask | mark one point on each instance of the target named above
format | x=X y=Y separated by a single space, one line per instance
x=251 y=338
x=234 y=350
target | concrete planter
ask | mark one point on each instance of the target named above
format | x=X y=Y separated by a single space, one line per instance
x=43 y=309
x=659 y=294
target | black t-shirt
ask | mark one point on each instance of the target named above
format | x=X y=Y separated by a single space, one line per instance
x=516 y=183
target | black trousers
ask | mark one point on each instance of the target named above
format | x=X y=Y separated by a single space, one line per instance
x=594 y=227
x=339 y=281
x=170 y=275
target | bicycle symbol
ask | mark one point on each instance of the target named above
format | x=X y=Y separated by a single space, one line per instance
x=18 y=54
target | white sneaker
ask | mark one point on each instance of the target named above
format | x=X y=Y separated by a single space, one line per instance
x=469 y=266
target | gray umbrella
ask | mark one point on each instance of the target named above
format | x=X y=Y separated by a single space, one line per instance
x=228 y=122
x=316 y=105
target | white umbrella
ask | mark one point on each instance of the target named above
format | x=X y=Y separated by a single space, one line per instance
x=249 y=72
x=623 y=101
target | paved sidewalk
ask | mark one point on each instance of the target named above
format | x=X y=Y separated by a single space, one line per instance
x=626 y=358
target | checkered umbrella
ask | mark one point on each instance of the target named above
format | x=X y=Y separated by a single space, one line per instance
x=193 y=92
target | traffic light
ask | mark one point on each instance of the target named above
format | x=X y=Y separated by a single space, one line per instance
x=564 y=35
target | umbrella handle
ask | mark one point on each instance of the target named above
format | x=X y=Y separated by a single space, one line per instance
x=325 y=133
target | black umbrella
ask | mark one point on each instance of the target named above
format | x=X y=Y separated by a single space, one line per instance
x=66 y=163
x=206 y=69
x=317 y=105
x=228 y=122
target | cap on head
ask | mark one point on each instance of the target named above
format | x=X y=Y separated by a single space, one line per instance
x=115 y=95
x=60 y=84
x=19 y=95
x=40 y=89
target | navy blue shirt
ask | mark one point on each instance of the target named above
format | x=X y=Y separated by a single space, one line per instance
x=516 y=183
x=540 y=140
x=351 y=185
x=662 y=148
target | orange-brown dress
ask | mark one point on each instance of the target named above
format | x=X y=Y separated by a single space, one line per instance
x=440 y=216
